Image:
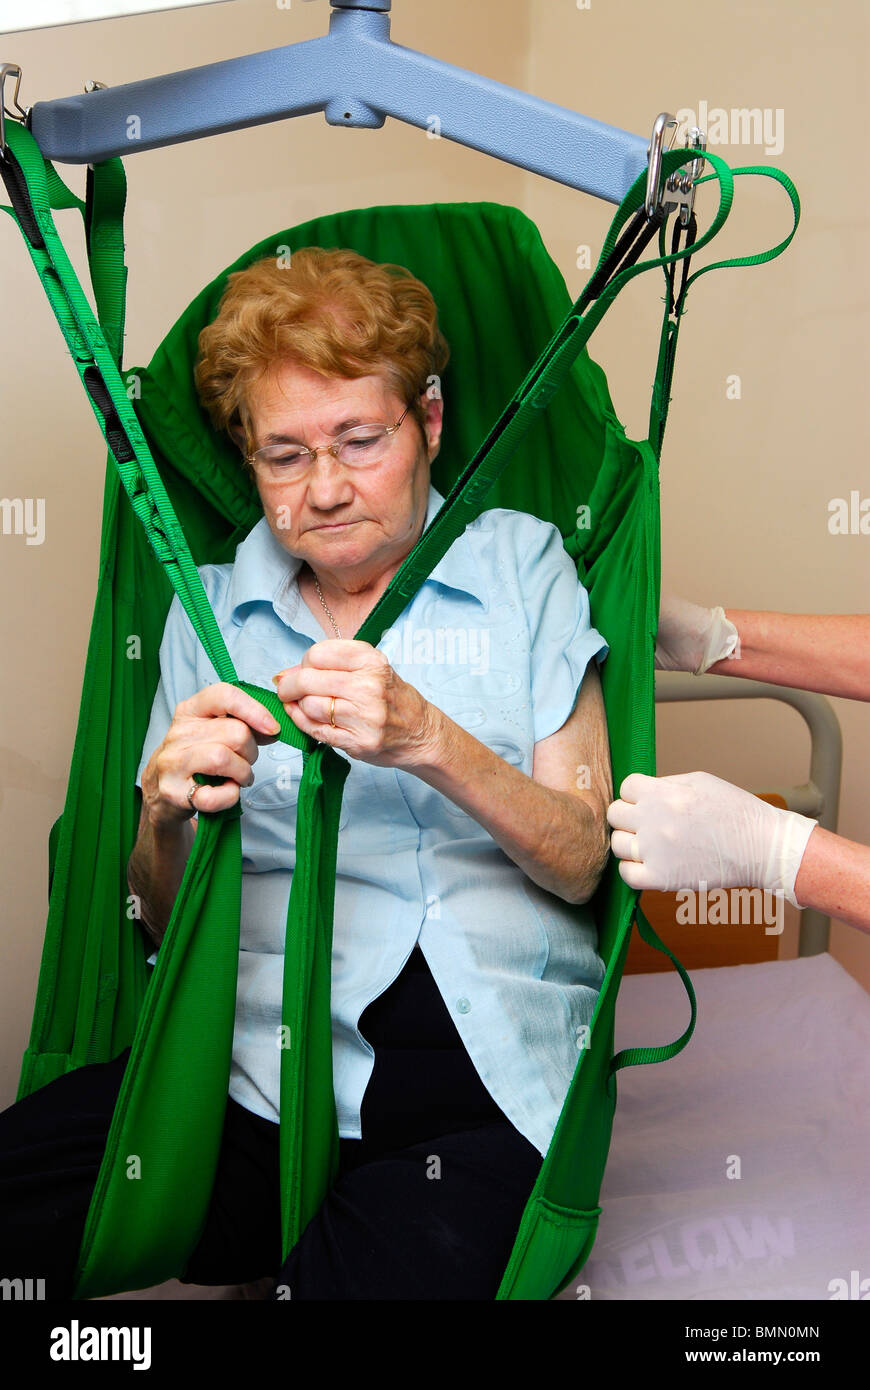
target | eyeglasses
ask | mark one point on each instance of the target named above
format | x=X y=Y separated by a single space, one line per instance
x=360 y=447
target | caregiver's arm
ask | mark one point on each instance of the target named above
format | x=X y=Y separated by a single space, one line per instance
x=829 y=653
x=673 y=833
x=834 y=877
x=553 y=828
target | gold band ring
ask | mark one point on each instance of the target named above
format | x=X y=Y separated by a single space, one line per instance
x=332 y=712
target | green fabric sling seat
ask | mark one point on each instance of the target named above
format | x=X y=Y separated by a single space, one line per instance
x=500 y=297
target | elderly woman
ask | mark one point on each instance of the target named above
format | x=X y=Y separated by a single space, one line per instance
x=473 y=824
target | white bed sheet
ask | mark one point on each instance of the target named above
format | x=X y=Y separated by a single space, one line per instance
x=777 y=1073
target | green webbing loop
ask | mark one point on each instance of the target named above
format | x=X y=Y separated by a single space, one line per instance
x=639 y=1056
x=762 y=256
x=308 y=1139
x=104 y=227
x=290 y=732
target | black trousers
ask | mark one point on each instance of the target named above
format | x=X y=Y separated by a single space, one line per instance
x=425 y=1206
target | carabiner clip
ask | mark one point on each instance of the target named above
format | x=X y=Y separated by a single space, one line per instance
x=654 y=152
x=6 y=70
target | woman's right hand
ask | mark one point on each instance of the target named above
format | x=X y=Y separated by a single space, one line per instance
x=215 y=731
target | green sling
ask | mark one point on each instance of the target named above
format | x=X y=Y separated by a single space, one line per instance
x=494 y=284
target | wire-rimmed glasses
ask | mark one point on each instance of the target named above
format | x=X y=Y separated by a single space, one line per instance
x=360 y=447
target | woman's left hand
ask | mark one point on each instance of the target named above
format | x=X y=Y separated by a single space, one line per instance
x=379 y=718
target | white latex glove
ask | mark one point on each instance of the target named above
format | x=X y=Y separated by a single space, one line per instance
x=691 y=638
x=693 y=828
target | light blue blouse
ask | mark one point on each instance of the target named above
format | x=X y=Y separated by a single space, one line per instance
x=499 y=638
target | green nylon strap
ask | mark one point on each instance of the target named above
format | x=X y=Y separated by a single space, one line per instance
x=661 y=393
x=671 y=322
x=545 y=377
x=104 y=210
x=92 y=353
x=175 y=1029
x=308 y=1137
x=188 y=1012
x=774 y=251
x=309 y=1140
x=639 y=1056
x=104 y=227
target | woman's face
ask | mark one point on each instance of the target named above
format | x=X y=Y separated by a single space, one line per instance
x=354 y=523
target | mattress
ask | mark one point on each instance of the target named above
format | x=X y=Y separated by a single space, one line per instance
x=740 y=1169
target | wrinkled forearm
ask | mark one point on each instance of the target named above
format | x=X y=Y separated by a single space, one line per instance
x=559 y=839
x=155 y=870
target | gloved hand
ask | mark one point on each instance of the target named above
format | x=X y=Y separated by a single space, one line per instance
x=695 y=828
x=691 y=638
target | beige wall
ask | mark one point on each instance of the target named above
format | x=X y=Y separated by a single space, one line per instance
x=745 y=484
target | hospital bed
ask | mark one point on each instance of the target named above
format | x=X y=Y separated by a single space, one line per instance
x=738 y=1169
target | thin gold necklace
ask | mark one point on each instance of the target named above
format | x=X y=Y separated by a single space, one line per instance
x=323 y=601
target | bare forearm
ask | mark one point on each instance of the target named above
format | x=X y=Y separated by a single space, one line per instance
x=834 y=877
x=829 y=653
x=155 y=870
x=560 y=840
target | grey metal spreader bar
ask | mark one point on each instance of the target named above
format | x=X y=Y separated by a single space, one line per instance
x=356 y=76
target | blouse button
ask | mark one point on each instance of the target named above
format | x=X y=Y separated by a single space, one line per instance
x=462 y=1006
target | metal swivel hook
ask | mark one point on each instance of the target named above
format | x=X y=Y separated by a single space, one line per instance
x=6 y=70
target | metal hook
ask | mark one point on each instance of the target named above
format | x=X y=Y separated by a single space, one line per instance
x=654 y=154
x=6 y=70
x=680 y=186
